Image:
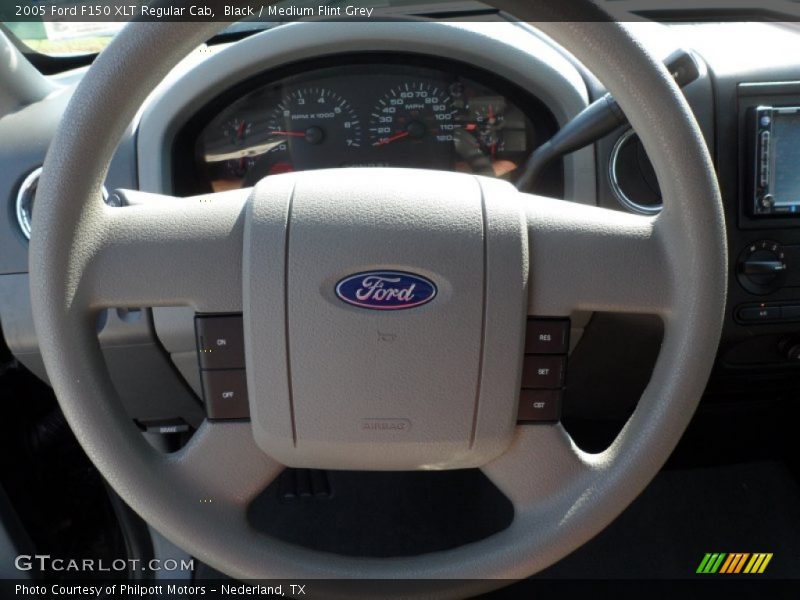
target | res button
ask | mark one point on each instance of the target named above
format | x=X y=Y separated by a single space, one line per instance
x=546 y=336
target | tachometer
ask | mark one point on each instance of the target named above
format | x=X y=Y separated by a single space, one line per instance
x=310 y=127
x=413 y=113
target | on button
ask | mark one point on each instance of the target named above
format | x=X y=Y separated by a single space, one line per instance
x=220 y=342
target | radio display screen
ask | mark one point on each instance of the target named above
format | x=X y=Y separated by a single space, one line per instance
x=785 y=159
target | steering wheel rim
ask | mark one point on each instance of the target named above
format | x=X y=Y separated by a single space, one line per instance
x=562 y=499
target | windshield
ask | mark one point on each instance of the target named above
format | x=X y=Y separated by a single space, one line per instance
x=63 y=38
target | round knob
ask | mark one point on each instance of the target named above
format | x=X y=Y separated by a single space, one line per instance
x=762 y=267
x=27 y=194
x=792 y=352
x=789 y=348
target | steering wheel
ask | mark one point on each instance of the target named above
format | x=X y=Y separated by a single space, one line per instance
x=314 y=367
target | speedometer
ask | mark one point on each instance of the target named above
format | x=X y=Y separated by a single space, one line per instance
x=413 y=113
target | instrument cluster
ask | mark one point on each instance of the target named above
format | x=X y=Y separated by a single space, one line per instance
x=382 y=113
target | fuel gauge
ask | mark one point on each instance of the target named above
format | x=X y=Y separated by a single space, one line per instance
x=235 y=132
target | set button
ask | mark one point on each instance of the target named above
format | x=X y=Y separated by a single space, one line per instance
x=543 y=372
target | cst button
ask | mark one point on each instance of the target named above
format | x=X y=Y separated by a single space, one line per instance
x=539 y=405
x=225 y=394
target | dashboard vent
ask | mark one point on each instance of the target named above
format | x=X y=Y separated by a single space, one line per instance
x=632 y=178
x=27 y=194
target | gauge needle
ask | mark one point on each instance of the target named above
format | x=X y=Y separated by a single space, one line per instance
x=391 y=139
x=289 y=133
x=240 y=130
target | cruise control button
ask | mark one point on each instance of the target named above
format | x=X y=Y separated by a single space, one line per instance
x=220 y=342
x=760 y=313
x=539 y=405
x=543 y=371
x=225 y=394
x=546 y=336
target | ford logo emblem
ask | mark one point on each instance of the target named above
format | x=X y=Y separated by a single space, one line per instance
x=386 y=290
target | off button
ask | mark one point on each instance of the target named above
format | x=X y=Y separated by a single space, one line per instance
x=225 y=394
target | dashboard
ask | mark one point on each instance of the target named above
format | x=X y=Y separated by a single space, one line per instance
x=465 y=100
x=390 y=110
x=449 y=96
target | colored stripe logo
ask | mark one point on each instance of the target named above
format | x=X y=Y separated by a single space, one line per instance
x=734 y=563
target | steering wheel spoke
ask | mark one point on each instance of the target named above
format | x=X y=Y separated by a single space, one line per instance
x=160 y=250
x=223 y=460
x=538 y=466
x=594 y=259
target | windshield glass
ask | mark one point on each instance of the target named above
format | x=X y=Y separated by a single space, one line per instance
x=63 y=38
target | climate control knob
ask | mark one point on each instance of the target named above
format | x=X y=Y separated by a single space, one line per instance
x=761 y=268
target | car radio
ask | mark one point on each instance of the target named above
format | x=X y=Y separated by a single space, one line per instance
x=776 y=161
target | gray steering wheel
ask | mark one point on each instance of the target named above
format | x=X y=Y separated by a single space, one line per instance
x=275 y=253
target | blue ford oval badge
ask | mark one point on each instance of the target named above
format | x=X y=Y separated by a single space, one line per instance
x=386 y=290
